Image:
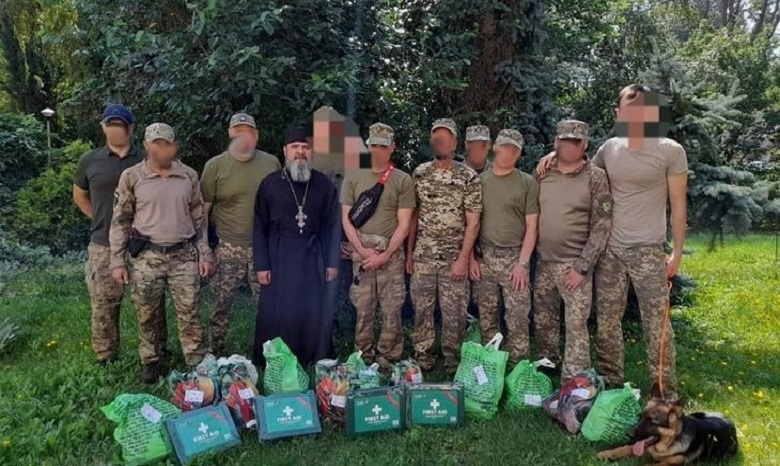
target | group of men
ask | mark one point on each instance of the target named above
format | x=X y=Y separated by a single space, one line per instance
x=462 y=230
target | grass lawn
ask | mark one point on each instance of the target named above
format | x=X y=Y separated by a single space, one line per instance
x=728 y=354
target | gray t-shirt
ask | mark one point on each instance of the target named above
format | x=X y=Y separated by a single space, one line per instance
x=640 y=190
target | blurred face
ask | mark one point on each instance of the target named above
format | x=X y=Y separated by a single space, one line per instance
x=635 y=109
x=297 y=159
x=506 y=156
x=443 y=143
x=477 y=151
x=380 y=155
x=570 y=150
x=161 y=151
x=248 y=136
x=117 y=132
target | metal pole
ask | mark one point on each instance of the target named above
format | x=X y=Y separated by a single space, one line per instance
x=48 y=138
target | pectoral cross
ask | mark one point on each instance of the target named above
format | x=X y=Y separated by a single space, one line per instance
x=301 y=217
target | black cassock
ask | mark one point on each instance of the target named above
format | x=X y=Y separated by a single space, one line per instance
x=296 y=305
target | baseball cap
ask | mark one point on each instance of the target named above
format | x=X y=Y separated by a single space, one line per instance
x=242 y=119
x=157 y=131
x=448 y=123
x=117 y=112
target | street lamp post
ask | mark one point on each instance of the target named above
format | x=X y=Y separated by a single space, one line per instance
x=48 y=113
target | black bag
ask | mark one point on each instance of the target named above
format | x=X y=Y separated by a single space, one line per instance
x=213 y=239
x=366 y=203
x=137 y=243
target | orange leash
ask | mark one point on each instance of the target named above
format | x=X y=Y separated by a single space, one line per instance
x=666 y=322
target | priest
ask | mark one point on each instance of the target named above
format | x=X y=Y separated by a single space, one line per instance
x=296 y=253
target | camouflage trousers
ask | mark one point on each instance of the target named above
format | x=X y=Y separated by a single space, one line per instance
x=386 y=289
x=431 y=280
x=645 y=266
x=235 y=265
x=105 y=296
x=549 y=289
x=153 y=273
x=495 y=266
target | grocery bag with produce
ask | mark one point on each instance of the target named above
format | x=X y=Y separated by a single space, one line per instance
x=283 y=373
x=614 y=412
x=481 y=371
x=526 y=386
x=570 y=405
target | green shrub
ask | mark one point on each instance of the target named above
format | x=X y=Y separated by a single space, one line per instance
x=23 y=149
x=46 y=215
x=9 y=331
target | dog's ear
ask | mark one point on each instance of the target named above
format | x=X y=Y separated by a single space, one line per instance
x=655 y=391
x=679 y=404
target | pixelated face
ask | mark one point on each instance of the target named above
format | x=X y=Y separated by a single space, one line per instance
x=381 y=154
x=641 y=109
x=477 y=151
x=117 y=132
x=505 y=156
x=161 y=151
x=643 y=114
x=570 y=150
x=443 y=143
x=245 y=132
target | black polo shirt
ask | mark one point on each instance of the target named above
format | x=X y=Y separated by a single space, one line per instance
x=98 y=172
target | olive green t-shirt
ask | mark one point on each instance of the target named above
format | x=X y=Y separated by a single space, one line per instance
x=231 y=186
x=398 y=194
x=640 y=188
x=506 y=201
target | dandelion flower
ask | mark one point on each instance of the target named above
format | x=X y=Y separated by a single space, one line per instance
x=759 y=394
x=730 y=388
x=6 y=443
x=753 y=362
x=701 y=395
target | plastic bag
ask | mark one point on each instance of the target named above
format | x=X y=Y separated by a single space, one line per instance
x=140 y=420
x=474 y=330
x=331 y=387
x=238 y=359
x=526 y=386
x=613 y=413
x=407 y=371
x=571 y=404
x=283 y=373
x=481 y=371
x=361 y=375
x=191 y=390
x=238 y=390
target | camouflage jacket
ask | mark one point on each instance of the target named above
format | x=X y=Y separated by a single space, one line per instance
x=443 y=198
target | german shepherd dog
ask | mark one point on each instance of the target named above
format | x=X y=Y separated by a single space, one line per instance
x=670 y=437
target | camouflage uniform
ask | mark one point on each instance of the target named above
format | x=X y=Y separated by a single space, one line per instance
x=233 y=253
x=106 y=300
x=478 y=133
x=235 y=265
x=646 y=267
x=153 y=270
x=385 y=287
x=444 y=196
x=549 y=286
x=496 y=264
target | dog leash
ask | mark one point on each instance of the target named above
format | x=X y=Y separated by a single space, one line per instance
x=662 y=355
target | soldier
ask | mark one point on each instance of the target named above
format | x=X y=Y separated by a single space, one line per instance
x=477 y=148
x=506 y=241
x=229 y=184
x=160 y=221
x=574 y=225
x=442 y=234
x=378 y=260
x=97 y=175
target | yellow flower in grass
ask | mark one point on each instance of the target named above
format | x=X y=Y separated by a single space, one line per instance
x=701 y=395
x=759 y=394
x=6 y=443
x=753 y=362
x=730 y=388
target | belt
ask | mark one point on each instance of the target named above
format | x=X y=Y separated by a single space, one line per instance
x=168 y=249
x=500 y=250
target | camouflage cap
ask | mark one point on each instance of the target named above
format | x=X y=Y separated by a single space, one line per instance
x=478 y=133
x=510 y=136
x=572 y=129
x=157 y=131
x=242 y=119
x=448 y=123
x=380 y=134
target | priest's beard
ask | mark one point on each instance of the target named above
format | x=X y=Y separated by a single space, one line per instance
x=298 y=169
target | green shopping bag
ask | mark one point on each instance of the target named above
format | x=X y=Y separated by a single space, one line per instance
x=283 y=373
x=474 y=331
x=526 y=386
x=613 y=413
x=362 y=376
x=481 y=371
x=140 y=420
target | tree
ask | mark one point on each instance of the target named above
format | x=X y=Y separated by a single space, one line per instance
x=23 y=145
